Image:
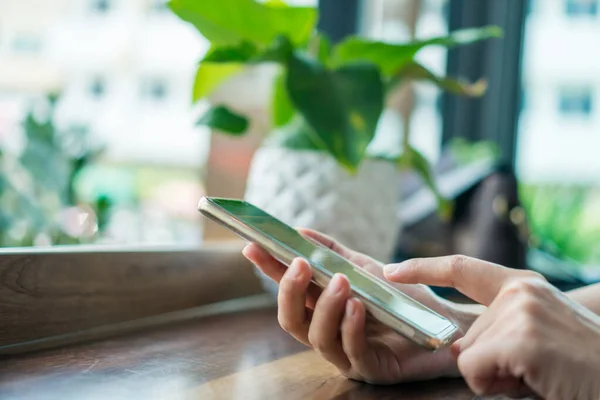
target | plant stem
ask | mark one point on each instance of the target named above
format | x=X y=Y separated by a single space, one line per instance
x=314 y=46
x=412 y=16
x=406 y=132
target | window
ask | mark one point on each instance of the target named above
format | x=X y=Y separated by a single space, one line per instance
x=523 y=100
x=97 y=88
x=100 y=6
x=158 y=6
x=154 y=89
x=397 y=21
x=26 y=43
x=575 y=101
x=557 y=158
x=575 y=8
x=529 y=7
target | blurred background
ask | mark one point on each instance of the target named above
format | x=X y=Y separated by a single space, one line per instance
x=98 y=142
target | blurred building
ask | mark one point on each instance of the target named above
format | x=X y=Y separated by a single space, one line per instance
x=398 y=21
x=559 y=136
x=124 y=68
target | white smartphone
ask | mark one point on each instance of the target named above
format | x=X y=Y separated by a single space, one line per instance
x=385 y=303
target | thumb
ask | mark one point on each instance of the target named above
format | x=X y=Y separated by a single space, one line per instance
x=479 y=280
x=455 y=349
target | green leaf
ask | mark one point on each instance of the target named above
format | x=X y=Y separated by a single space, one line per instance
x=391 y=57
x=280 y=50
x=245 y=52
x=388 y=57
x=413 y=159
x=233 y=21
x=42 y=156
x=414 y=70
x=225 y=120
x=343 y=106
x=466 y=152
x=296 y=135
x=324 y=48
x=275 y=3
x=462 y=37
x=319 y=46
x=239 y=53
x=282 y=107
x=210 y=76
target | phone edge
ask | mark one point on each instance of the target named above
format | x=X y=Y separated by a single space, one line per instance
x=217 y=214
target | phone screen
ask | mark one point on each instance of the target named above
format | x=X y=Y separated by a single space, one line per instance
x=329 y=262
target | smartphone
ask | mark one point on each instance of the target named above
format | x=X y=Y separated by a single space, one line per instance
x=385 y=303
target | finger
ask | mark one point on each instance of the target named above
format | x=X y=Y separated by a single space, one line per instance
x=324 y=330
x=478 y=366
x=276 y=270
x=264 y=261
x=292 y=313
x=455 y=349
x=354 y=338
x=484 y=365
x=479 y=280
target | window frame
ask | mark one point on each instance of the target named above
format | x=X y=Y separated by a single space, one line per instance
x=568 y=106
x=495 y=116
x=63 y=295
x=572 y=9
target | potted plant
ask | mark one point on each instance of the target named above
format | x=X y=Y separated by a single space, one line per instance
x=319 y=168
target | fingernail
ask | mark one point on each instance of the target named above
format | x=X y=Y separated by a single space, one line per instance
x=391 y=269
x=245 y=249
x=335 y=286
x=350 y=308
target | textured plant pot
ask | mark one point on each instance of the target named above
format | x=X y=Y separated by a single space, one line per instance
x=309 y=189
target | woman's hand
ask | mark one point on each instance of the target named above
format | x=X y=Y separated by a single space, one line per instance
x=338 y=328
x=531 y=337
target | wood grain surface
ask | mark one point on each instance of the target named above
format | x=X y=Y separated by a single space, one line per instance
x=49 y=293
x=242 y=355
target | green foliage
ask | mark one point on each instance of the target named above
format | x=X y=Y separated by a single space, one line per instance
x=333 y=95
x=37 y=183
x=297 y=134
x=564 y=220
x=466 y=152
x=230 y=22
x=413 y=159
x=390 y=58
x=103 y=208
x=322 y=46
x=277 y=51
x=281 y=105
x=343 y=105
x=223 y=119
x=415 y=71
x=238 y=53
x=211 y=75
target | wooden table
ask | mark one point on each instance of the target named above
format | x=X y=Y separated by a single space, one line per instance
x=239 y=355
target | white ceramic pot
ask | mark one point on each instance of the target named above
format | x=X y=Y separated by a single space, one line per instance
x=309 y=189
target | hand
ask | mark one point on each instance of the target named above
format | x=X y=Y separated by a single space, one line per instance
x=531 y=337
x=338 y=328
